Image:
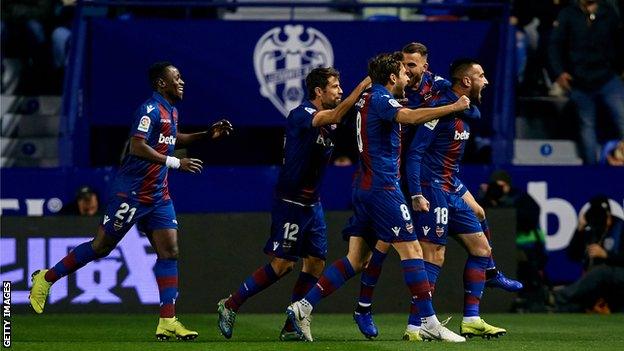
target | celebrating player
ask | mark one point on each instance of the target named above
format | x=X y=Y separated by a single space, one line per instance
x=380 y=209
x=298 y=227
x=436 y=192
x=140 y=196
x=422 y=88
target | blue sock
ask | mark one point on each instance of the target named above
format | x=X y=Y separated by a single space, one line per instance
x=369 y=278
x=474 y=283
x=304 y=283
x=433 y=271
x=259 y=280
x=166 y=271
x=77 y=258
x=332 y=279
x=415 y=278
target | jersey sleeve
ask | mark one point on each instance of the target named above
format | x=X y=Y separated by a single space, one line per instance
x=144 y=121
x=440 y=83
x=302 y=117
x=423 y=138
x=387 y=107
x=459 y=186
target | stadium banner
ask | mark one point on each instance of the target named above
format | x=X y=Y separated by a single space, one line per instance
x=255 y=74
x=561 y=192
x=217 y=252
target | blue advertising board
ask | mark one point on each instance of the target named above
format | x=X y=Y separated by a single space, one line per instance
x=561 y=193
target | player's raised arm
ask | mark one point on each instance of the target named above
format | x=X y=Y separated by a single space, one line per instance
x=335 y=114
x=221 y=128
x=426 y=114
x=139 y=148
x=423 y=138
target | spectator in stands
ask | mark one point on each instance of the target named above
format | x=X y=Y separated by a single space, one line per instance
x=530 y=239
x=586 y=56
x=25 y=25
x=498 y=192
x=534 y=79
x=613 y=153
x=61 y=38
x=86 y=203
x=599 y=244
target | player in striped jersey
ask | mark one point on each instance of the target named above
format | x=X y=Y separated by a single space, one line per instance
x=140 y=196
x=298 y=227
x=432 y=171
x=380 y=211
x=424 y=87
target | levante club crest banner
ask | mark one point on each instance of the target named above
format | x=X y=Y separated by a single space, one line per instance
x=254 y=72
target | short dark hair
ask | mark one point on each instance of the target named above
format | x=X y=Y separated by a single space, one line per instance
x=319 y=77
x=415 y=48
x=85 y=192
x=157 y=71
x=459 y=68
x=382 y=66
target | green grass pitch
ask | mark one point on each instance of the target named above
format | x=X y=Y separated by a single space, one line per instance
x=331 y=332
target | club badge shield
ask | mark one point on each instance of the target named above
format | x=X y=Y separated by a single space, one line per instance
x=283 y=57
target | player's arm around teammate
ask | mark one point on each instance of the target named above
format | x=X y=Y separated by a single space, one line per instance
x=426 y=114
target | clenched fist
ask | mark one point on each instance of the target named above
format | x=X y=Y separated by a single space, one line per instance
x=462 y=103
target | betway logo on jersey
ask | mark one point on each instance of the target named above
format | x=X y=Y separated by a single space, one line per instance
x=462 y=136
x=170 y=140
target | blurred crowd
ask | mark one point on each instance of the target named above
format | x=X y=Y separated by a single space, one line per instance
x=597 y=245
x=575 y=48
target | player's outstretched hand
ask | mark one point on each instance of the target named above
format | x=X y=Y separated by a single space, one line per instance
x=419 y=203
x=220 y=129
x=462 y=103
x=192 y=165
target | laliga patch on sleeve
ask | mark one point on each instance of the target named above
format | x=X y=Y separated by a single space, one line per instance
x=144 y=124
x=431 y=124
x=310 y=110
x=394 y=103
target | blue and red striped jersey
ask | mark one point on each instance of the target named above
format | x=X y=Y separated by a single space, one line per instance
x=307 y=150
x=430 y=84
x=419 y=96
x=379 y=139
x=438 y=146
x=156 y=121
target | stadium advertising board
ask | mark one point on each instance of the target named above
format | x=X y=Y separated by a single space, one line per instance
x=561 y=192
x=212 y=263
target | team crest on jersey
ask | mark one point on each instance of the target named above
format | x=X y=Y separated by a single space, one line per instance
x=409 y=227
x=282 y=65
x=117 y=225
x=439 y=231
x=144 y=124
